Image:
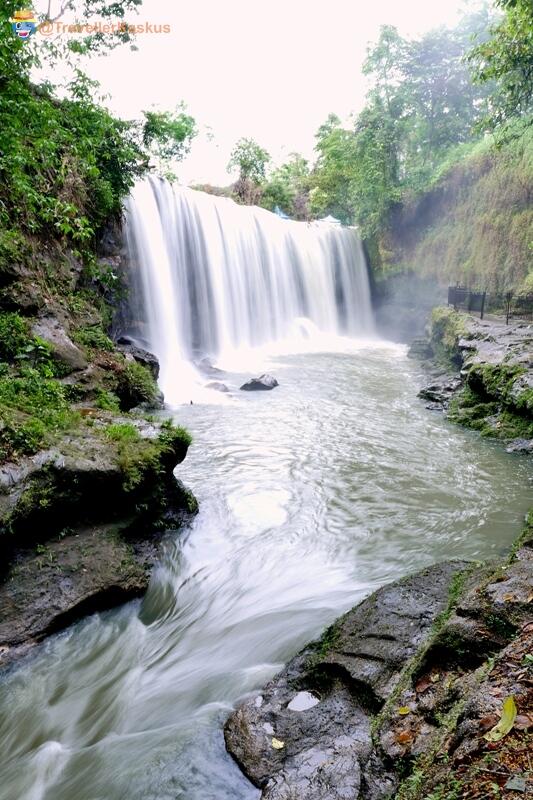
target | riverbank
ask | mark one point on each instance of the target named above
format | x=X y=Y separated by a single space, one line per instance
x=402 y=696
x=86 y=471
x=483 y=375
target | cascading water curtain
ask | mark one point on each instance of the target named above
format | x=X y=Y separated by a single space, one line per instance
x=217 y=278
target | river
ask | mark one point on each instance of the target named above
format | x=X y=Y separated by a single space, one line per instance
x=311 y=496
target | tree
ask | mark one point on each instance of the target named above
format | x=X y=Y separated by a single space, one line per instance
x=288 y=188
x=332 y=178
x=66 y=164
x=420 y=105
x=507 y=59
x=168 y=135
x=251 y=161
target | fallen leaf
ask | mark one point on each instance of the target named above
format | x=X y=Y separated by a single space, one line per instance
x=488 y=722
x=277 y=744
x=423 y=684
x=404 y=737
x=523 y=722
x=403 y=710
x=508 y=597
x=509 y=712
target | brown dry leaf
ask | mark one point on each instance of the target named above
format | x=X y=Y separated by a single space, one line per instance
x=523 y=722
x=488 y=722
x=509 y=598
x=423 y=684
x=404 y=737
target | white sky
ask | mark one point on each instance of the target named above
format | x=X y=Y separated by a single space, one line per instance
x=270 y=70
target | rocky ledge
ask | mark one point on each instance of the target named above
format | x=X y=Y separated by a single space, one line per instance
x=482 y=375
x=396 y=697
x=80 y=523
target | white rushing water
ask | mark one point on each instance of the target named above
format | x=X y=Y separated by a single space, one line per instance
x=220 y=280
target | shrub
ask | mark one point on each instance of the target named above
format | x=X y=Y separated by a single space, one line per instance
x=13 y=335
x=33 y=409
x=107 y=401
x=136 y=385
x=122 y=432
x=93 y=336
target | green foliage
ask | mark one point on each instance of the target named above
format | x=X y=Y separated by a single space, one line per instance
x=140 y=458
x=447 y=327
x=32 y=410
x=288 y=188
x=168 y=135
x=107 y=401
x=421 y=104
x=250 y=159
x=136 y=385
x=122 y=432
x=14 y=336
x=66 y=165
x=475 y=225
x=16 y=344
x=93 y=336
x=172 y=436
x=506 y=59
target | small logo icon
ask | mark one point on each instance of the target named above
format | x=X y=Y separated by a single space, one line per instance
x=24 y=23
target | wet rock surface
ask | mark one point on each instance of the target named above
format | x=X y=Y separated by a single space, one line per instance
x=440 y=391
x=263 y=383
x=408 y=683
x=140 y=355
x=64 y=351
x=492 y=390
x=352 y=671
x=80 y=526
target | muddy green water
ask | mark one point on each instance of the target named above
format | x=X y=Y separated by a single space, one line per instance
x=311 y=496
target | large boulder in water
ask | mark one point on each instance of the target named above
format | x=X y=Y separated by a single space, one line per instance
x=263 y=383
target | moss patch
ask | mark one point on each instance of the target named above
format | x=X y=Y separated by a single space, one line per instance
x=447 y=328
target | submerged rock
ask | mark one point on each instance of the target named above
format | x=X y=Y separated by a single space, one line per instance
x=520 y=446
x=264 y=382
x=217 y=386
x=206 y=365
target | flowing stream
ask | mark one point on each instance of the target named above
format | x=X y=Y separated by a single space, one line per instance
x=311 y=496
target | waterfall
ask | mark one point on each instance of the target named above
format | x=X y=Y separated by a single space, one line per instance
x=215 y=279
